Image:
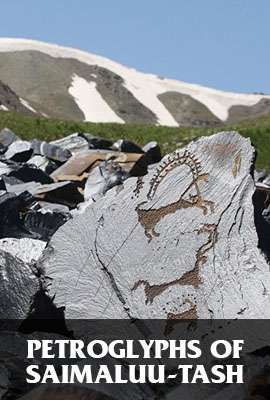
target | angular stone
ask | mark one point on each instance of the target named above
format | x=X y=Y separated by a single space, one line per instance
x=38 y=161
x=12 y=209
x=87 y=160
x=79 y=162
x=4 y=168
x=97 y=143
x=28 y=173
x=19 y=151
x=7 y=137
x=178 y=243
x=102 y=178
x=50 y=151
x=153 y=152
x=53 y=207
x=126 y=146
x=74 y=143
x=67 y=194
x=42 y=224
x=18 y=285
x=34 y=188
x=27 y=250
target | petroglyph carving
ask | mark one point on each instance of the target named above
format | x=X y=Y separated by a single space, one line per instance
x=149 y=218
x=190 y=313
x=139 y=186
x=190 y=278
x=211 y=258
x=236 y=165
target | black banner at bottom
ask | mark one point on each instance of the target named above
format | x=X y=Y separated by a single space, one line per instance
x=135 y=359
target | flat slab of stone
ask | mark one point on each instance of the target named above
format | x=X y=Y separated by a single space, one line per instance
x=179 y=243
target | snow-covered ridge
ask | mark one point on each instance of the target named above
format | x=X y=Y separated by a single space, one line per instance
x=144 y=87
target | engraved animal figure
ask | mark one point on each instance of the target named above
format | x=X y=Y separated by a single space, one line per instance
x=189 y=278
x=149 y=218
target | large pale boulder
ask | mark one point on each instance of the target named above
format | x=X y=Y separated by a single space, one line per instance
x=178 y=243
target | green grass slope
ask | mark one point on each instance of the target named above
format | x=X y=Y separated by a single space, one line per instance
x=169 y=138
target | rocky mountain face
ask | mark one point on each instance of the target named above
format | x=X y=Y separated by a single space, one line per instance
x=71 y=84
x=9 y=101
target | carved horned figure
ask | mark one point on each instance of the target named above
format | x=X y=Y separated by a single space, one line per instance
x=149 y=218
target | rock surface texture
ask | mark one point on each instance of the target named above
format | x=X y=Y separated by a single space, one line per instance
x=18 y=286
x=178 y=243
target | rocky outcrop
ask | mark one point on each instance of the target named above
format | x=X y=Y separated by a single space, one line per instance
x=9 y=101
x=238 y=113
x=51 y=97
x=179 y=243
x=188 y=111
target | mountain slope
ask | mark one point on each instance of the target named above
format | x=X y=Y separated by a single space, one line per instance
x=9 y=101
x=71 y=84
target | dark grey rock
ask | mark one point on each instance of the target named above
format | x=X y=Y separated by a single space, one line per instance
x=66 y=193
x=7 y=137
x=19 y=151
x=33 y=188
x=50 y=151
x=51 y=207
x=152 y=149
x=75 y=142
x=95 y=142
x=22 y=217
x=12 y=210
x=43 y=225
x=260 y=175
x=11 y=101
x=38 y=161
x=126 y=146
x=266 y=215
x=152 y=155
x=18 y=285
x=27 y=173
x=107 y=175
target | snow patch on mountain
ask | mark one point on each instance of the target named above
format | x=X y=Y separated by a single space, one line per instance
x=144 y=87
x=27 y=105
x=146 y=90
x=3 y=108
x=90 y=101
